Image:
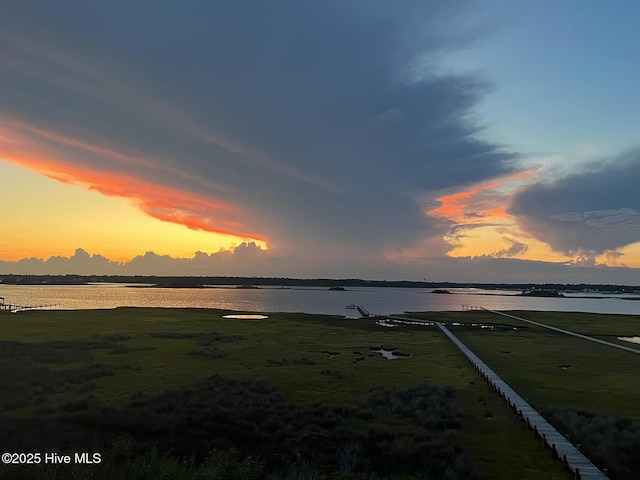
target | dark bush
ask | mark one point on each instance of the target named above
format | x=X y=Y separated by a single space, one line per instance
x=255 y=432
x=211 y=352
x=76 y=405
x=116 y=337
x=303 y=361
x=431 y=407
x=335 y=374
x=609 y=441
x=27 y=380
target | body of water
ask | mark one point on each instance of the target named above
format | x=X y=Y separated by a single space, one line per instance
x=302 y=299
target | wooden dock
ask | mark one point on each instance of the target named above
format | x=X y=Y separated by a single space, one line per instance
x=580 y=465
x=12 y=307
x=363 y=311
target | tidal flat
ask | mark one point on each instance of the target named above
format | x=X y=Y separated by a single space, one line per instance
x=188 y=394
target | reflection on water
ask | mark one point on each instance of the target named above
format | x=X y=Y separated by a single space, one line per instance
x=246 y=317
x=387 y=354
x=630 y=339
x=385 y=301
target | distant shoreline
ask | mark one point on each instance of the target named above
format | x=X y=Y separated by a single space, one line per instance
x=279 y=282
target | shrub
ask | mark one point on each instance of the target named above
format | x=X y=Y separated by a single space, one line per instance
x=609 y=441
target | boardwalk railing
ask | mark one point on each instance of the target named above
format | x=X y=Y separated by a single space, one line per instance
x=562 y=449
x=11 y=307
x=579 y=464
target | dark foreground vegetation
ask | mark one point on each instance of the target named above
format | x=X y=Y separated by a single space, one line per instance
x=230 y=429
x=26 y=381
x=187 y=394
x=608 y=440
x=222 y=428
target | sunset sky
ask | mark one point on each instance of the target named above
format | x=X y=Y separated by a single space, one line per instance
x=447 y=141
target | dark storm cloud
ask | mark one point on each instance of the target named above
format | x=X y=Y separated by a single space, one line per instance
x=312 y=117
x=589 y=212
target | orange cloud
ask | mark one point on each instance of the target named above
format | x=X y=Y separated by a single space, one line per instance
x=478 y=220
x=467 y=206
x=498 y=212
x=482 y=203
x=26 y=146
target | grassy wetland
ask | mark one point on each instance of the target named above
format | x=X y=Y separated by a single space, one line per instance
x=188 y=394
x=588 y=391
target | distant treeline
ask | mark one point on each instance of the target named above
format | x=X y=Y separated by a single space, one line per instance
x=196 y=282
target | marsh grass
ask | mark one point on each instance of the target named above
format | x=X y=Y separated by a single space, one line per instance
x=162 y=395
x=586 y=390
x=553 y=370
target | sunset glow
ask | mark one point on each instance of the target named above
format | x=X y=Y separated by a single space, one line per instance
x=163 y=203
x=69 y=216
x=482 y=227
x=210 y=137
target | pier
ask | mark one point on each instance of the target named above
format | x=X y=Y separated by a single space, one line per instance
x=361 y=310
x=12 y=307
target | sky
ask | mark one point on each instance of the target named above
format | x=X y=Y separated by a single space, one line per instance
x=465 y=141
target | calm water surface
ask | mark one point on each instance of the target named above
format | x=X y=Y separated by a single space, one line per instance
x=301 y=299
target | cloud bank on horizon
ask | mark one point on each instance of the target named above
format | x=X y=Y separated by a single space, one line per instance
x=330 y=131
x=249 y=260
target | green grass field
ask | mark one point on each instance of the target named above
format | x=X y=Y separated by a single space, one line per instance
x=553 y=370
x=62 y=365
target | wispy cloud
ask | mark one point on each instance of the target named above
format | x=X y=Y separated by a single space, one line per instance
x=469 y=206
x=269 y=120
x=23 y=145
x=513 y=249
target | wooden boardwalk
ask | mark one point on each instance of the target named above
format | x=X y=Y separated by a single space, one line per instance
x=579 y=464
x=567 y=332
